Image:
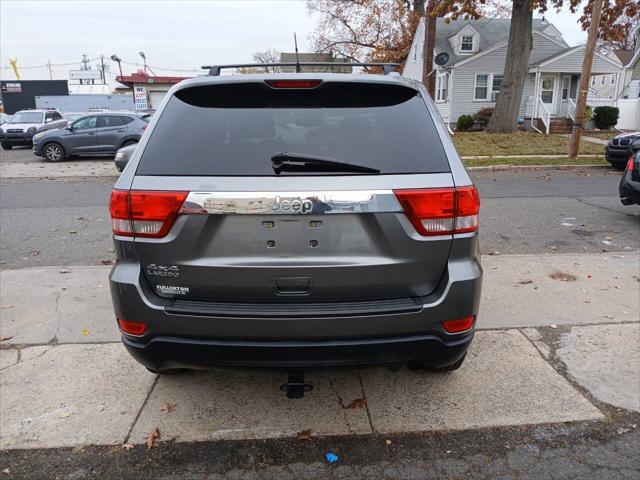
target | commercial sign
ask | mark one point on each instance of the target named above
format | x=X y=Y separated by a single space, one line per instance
x=85 y=75
x=140 y=97
x=12 y=87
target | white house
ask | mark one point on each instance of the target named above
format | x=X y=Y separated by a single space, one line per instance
x=472 y=77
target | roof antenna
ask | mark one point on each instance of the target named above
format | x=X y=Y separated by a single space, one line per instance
x=295 y=42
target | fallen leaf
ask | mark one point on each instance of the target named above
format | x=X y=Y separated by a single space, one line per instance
x=525 y=281
x=85 y=332
x=6 y=306
x=609 y=316
x=64 y=271
x=304 y=435
x=78 y=449
x=387 y=441
x=81 y=218
x=107 y=262
x=152 y=439
x=168 y=407
x=127 y=446
x=357 y=403
x=7 y=471
x=563 y=277
x=72 y=231
x=35 y=253
x=554 y=326
x=2 y=339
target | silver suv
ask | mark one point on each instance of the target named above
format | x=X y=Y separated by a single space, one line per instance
x=296 y=220
x=23 y=125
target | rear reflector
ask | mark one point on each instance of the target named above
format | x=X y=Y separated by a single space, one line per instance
x=293 y=83
x=630 y=164
x=441 y=211
x=132 y=328
x=459 y=325
x=139 y=213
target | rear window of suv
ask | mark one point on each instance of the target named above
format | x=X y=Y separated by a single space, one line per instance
x=235 y=129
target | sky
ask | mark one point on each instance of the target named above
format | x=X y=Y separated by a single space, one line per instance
x=174 y=35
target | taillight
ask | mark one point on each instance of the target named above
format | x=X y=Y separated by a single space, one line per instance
x=144 y=213
x=630 y=164
x=441 y=211
x=293 y=83
x=132 y=328
x=459 y=325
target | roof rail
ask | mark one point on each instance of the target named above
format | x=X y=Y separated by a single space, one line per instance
x=214 y=70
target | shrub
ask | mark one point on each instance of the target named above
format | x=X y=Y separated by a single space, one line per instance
x=606 y=117
x=588 y=113
x=465 y=122
x=482 y=116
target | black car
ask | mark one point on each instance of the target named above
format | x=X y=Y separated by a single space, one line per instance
x=630 y=181
x=620 y=147
x=94 y=134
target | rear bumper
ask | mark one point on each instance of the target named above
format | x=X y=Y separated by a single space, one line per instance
x=199 y=339
x=171 y=352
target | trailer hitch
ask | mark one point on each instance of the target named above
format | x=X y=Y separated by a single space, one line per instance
x=295 y=386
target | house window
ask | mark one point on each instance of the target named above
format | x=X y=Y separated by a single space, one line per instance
x=442 y=88
x=466 y=45
x=496 y=86
x=603 y=79
x=593 y=81
x=613 y=79
x=565 y=88
x=415 y=53
x=482 y=86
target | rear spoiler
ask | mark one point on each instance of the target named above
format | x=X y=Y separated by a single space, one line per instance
x=214 y=70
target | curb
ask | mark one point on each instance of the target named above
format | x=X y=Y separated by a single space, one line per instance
x=536 y=167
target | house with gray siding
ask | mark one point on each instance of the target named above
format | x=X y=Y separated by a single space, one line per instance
x=471 y=79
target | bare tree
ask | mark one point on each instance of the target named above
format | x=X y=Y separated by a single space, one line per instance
x=366 y=30
x=270 y=55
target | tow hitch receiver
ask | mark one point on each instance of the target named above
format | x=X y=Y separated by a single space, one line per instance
x=295 y=386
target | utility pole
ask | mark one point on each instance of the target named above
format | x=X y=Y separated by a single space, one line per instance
x=589 y=51
x=50 y=72
x=104 y=80
x=428 y=72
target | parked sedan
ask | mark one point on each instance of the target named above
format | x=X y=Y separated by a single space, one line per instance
x=630 y=181
x=94 y=134
x=123 y=155
x=620 y=147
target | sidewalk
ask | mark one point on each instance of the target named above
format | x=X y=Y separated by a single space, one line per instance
x=65 y=379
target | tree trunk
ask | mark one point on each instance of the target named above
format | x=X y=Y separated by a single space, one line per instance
x=428 y=72
x=505 y=115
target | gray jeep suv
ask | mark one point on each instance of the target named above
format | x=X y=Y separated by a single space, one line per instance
x=296 y=220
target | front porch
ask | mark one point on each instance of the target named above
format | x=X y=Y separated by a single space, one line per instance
x=551 y=105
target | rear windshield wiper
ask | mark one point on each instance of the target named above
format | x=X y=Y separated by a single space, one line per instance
x=299 y=162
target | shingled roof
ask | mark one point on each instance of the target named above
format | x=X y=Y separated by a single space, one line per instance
x=492 y=31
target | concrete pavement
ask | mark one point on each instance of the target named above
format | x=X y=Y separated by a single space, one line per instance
x=66 y=380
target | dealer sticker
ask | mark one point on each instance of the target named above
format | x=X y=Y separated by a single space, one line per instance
x=172 y=290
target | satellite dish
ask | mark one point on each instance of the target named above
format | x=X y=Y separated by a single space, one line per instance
x=442 y=59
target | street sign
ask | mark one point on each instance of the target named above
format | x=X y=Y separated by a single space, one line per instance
x=85 y=75
x=140 y=97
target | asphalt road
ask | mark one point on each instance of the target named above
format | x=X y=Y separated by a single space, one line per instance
x=66 y=222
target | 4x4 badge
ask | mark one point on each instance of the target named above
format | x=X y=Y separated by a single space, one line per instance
x=163 y=270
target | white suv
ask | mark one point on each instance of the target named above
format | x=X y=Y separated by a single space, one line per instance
x=23 y=125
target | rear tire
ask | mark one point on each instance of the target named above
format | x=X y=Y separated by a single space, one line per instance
x=6 y=146
x=167 y=371
x=418 y=365
x=53 y=152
